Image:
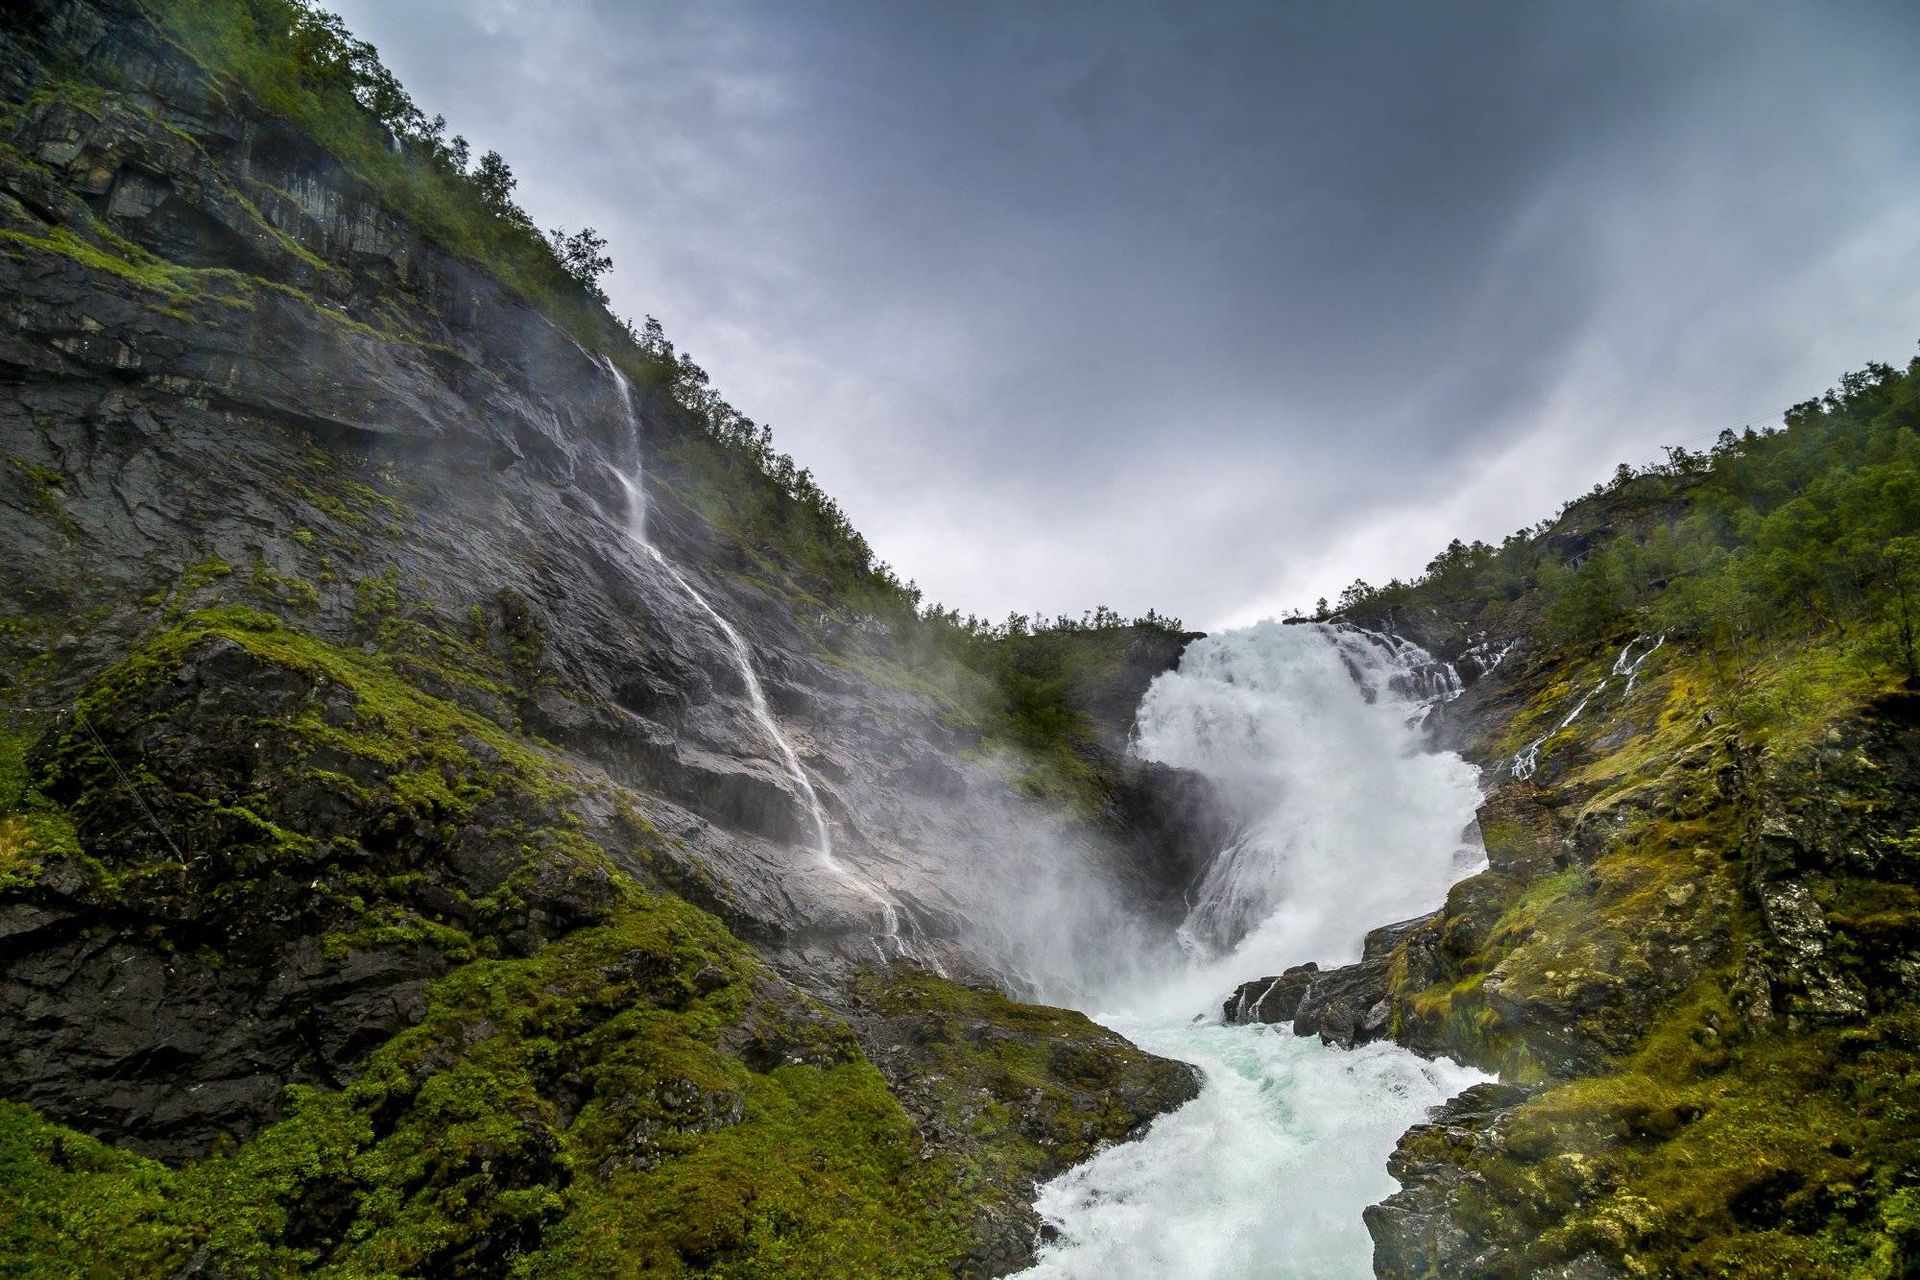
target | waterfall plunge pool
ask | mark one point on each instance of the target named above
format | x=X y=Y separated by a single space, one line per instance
x=1264 y=1175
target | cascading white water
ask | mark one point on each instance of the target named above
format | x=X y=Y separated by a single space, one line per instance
x=1314 y=733
x=891 y=943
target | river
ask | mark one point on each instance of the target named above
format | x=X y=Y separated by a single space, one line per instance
x=1315 y=734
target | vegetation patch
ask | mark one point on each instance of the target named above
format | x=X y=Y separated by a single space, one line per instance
x=639 y=1099
x=1014 y=1092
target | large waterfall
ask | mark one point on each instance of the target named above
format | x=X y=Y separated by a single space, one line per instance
x=1350 y=822
x=1314 y=736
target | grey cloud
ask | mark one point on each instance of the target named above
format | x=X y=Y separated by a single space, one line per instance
x=1212 y=307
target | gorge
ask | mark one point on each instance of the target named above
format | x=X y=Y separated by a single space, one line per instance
x=469 y=807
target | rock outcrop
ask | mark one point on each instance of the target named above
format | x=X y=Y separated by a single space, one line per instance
x=1672 y=960
x=1344 y=1006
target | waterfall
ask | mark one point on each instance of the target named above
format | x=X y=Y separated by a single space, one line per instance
x=1384 y=663
x=890 y=944
x=1313 y=734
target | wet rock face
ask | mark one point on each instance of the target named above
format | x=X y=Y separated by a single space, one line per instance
x=1415 y=1232
x=1063 y=1084
x=1826 y=847
x=1673 y=924
x=1345 y=1006
x=1270 y=1000
x=1351 y=1005
x=166 y=986
x=1172 y=823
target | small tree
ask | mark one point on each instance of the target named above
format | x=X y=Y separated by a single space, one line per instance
x=493 y=182
x=582 y=255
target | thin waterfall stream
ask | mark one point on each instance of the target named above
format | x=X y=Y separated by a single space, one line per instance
x=1315 y=732
x=890 y=944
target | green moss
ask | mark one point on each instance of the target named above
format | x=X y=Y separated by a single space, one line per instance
x=1781 y=1155
x=13 y=771
x=72 y=1206
x=137 y=267
x=1682 y=1134
x=43 y=488
x=1027 y=1089
x=283 y=589
x=571 y=1114
x=1790 y=696
x=197 y=841
x=33 y=830
x=286 y=242
x=422 y=739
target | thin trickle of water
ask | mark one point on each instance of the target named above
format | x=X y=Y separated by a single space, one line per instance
x=757 y=704
x=1631 y=670
x=891 y=944
x=1526 y=761
x=1483 y=656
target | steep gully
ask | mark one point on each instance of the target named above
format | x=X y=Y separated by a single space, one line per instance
x=1313 y=735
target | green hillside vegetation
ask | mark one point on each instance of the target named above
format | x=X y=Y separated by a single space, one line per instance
x=1789 y=557
x=1697 y=934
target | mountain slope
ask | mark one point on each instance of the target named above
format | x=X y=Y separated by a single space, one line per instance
x=1695 y=954
x=381 y=827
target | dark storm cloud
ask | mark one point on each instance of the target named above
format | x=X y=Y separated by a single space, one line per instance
x=1211 y=307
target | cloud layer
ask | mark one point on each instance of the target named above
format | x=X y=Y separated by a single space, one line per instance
x=1214 y=307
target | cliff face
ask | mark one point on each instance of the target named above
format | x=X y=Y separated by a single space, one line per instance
x=1692 y=959
x=352 y=746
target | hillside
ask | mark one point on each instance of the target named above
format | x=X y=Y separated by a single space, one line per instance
x=397 y=873
x=1694 y=957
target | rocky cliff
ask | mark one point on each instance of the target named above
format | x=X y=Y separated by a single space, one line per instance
x=1692 y=959
x=396 y=874
x=1693 y=956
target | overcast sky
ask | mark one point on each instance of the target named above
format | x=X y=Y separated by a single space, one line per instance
x=1213 y=307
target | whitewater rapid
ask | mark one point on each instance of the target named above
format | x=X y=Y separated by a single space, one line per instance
x=1349 y=822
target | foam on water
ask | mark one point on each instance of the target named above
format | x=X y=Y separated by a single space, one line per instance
x=1350 y=822
x=1264 y=1175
